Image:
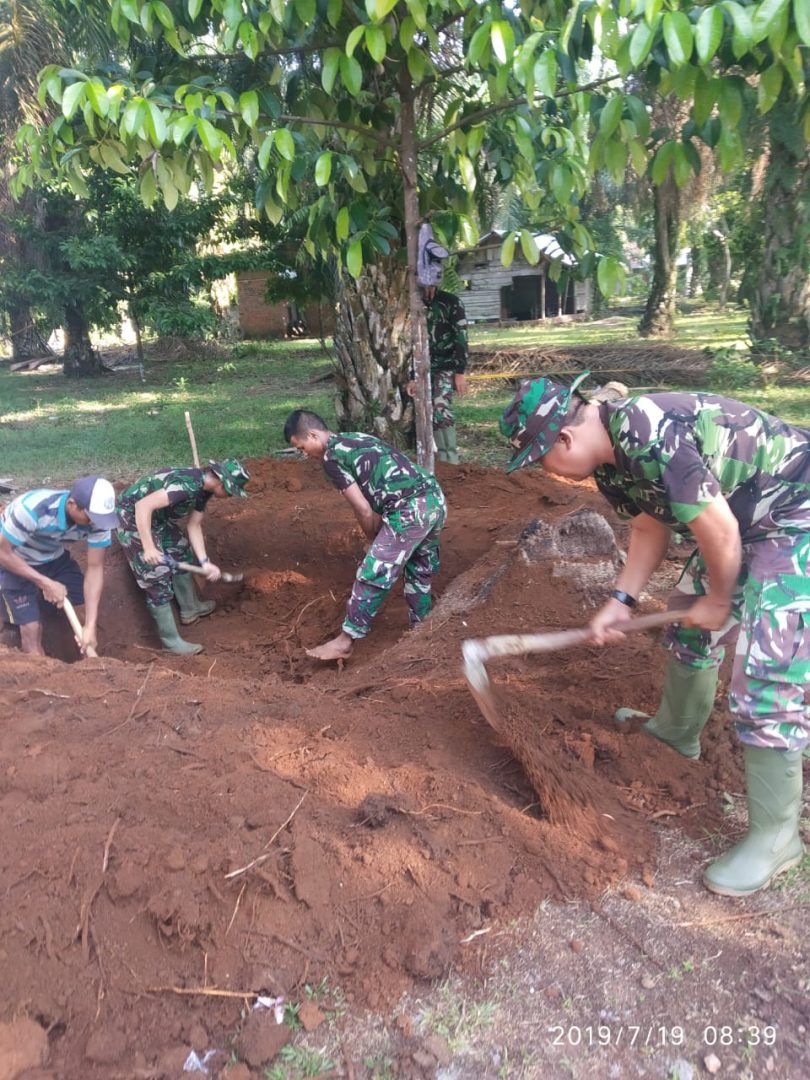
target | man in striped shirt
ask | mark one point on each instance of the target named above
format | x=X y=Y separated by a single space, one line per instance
x=34 y=529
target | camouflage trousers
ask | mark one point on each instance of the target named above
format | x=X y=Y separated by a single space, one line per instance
x=407 y=544
x=443 y=390
x=156 y=581
x=771 y=608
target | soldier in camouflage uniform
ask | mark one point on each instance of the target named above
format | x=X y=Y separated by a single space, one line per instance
x=150 y=513
x=447 y=341
x=737 y=481
x=400 y=508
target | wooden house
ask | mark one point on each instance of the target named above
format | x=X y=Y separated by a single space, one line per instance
x=520 y=291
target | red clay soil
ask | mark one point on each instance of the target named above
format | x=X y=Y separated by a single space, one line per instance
x=387 y=821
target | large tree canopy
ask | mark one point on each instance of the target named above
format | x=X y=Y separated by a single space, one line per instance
x=372 y=116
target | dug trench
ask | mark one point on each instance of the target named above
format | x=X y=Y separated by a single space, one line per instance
x=248 y=821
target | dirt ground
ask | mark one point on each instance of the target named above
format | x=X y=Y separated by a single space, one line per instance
x=179 y=836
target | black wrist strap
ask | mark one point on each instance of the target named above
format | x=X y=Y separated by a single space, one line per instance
x=624 y=598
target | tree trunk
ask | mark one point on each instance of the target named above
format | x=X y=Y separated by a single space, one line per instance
x=79 y=357
x=659 y=314
x=26 y=340
x=780 y=305
x=423 y=401
x=373 y=347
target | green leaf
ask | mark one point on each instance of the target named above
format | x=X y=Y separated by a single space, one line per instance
x=354 y=37
x=305 y=10
x=478 y=43
x=704 y=99
x=334 y=9
x=639 y=115
x=148 y=188
x=342 y=224
x=131 y=10
x=770 y=83
x=678 y=37
x=285 y=144
x=616 y=158
x=170 y=194
x=508 y=249
x=681 y=165
x=376 y=43
x=708 y=33
x=156 y=124
x=638 y=156
x=354 y=259
x=209 y=137
x=611 y=115
x=194 y=8
x=265 y=151
x=417 y=65
x=503 y=41
x=407 y=32
x=641 y=42
x=467 y=170
x=742 y=38
x=662 y=162
x=561 y=182
x=729 y=101
x=97 y=96
x=331 y=60
x=766 y=18
x=352 y=74
x=608 y=276
x=417 y=10
x=323 y=168
x=545 y=73
x=249 y=39
x=112 y=158
x=72 y=97
x=801 y=13
x=528 y=244
x=249 y=107
x=163 y=13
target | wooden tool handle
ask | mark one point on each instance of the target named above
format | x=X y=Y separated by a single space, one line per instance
x=189 y=568
x=516 y=644
x=76 y=626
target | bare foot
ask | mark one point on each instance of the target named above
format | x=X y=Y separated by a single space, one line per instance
x=338 y=648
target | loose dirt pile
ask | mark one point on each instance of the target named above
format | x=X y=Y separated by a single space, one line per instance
x=381 y=822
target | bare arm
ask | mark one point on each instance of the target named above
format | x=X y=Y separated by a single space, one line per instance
x=197 y=540
x=369 y=521
x=144 y=509
x=649 y=540
x=53 y=591
x=718 y=537
x=93 y=586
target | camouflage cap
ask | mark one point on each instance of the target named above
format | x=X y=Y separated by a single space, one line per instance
x=233 y=475
x=533 y=419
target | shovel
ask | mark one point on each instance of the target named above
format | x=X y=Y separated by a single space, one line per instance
x=229 y=579
x=76 y=626
x=476 y=652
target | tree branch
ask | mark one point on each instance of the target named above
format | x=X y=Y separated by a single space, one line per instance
x=504 y=106
x=370 y=132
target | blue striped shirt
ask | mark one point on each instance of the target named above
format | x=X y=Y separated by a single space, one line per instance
x=37 y=524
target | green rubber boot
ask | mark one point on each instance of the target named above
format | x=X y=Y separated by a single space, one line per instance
x=167 y=629
x=440 y=439
x=773 y=780
x=450 y=445
x=191 y=606
x=686 y=705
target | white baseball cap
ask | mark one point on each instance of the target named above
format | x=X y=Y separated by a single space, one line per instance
x=97 y=496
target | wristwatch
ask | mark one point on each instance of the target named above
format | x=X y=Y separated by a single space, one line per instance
x=624 y=598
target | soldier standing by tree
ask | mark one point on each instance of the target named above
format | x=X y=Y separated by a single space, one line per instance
x=447 y=342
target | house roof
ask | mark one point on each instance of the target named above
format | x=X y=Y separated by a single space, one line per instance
x=547 y=244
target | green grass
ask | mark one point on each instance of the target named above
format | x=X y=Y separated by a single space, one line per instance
x=53 y=429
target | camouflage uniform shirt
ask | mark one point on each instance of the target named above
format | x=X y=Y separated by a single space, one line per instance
x=184 y=488
x=676 y=452
x=389 y=480
x=447 y=333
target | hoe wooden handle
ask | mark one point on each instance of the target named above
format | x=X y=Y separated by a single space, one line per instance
x=78 y=630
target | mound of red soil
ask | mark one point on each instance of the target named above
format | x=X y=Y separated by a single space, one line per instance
x=246 y=820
